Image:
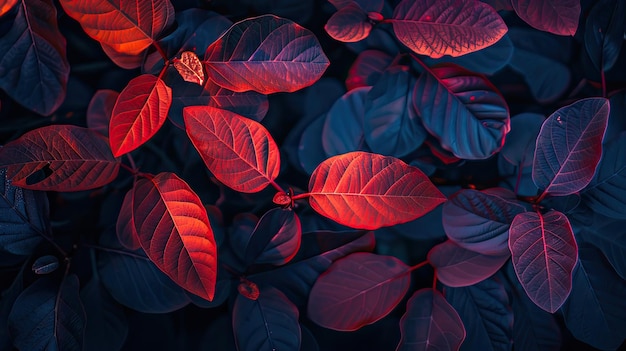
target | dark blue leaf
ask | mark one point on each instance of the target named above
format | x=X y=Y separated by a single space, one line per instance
x=34 y=69
x=617 y=122
x=485 y=311
x=7 y=300
x=519 y=181
x=275 y=239
x=107 y=325
x=268 y=323
x=241 y=230
x=297 y=11
x=609 y=236
x=343 y=126
x=596 y=309
x=48 y=316
x=45 y=264
x=310 y=150
x=367 y=68
x=519 y=146
x=23 y=214
x=604 y=32
x=391 y=126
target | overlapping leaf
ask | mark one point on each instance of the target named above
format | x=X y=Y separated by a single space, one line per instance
x=604 y=33
x=544 y=253
x=555 y=16
x=6 y=6
x=76 y=158
x=369 y=191
x=278 y=56
x=100 y=110
x=190 y=68
x=238 y=151
x=174 y=231
x=343 y=126
x=449 y=27
x=275 y=239
x=125 y=225
x=367 y=68
x=108 y=326
x=139 y=112
x=349 y=24
x=569 y=146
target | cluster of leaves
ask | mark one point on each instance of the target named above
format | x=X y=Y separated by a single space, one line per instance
x=260 y=230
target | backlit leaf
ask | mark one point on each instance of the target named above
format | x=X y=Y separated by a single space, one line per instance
x=100 y=110
x=369 y=191
x=190 y=68
x=34 y=69
x=604 y=32
x=275 y=239
x=125 y=225
x=367 y=68
x=349 y=24
x=6 y=6
x=555 y=16
x=544 y=253
x=569 y=146
x=139 y=112
x=174 y=231
x=122 y=59
x=358 y=290
x=238 y=151
x=430 y=323
x=76 y=158
x=449 y=27
x=128 y=27
x=267 y=54
x=463 y=110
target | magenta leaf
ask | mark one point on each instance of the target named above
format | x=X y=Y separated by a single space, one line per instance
x=358 y=290
x=555 y=16
x=349 y=24
x=569 y=147
x=544 y=253
x=275 y=239
x=430 y=323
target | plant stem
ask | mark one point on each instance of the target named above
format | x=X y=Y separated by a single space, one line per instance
x=166 y=60
x=300 y=196
x=276 y=186
x=418 y=266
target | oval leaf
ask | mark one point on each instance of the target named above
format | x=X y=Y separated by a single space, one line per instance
x=430 y=323
x=604 y=33
x=238 y=151
x=555 y=16
x=174 y=230
x=446 y=27
x=544 y=253
x=463 y=110
x=76 y=158
x=190 y=68
x=569 y=147
x=358 y=290
x=343 y=126
x=275 y=239
x=278 y=56
x=125 y=225
x=100 y=110
x=139 y=112
x=367 y=68
x=369 y=191
x=349 y=24
x=45 y=264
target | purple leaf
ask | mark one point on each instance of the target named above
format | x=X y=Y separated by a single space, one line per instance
x=349 y=24
x=275 y=239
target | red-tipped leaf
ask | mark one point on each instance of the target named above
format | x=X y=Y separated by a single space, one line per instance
x=349 y=24
x=555 y=16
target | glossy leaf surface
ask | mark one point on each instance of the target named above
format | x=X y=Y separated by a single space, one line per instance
x=430 y=323
x=190 y=68
x=604 y=32
x=349 y=24
x=238 y=151
x=34 y=69
x=555 y=16
x=100 y=110
x=275 y=239
x=174 y=231
x=125 y=225
x=463 y=110
x=369 y=191
x=139 y=112
x=343 y=126
x=569 y=146
x=76 y=158
x=544 y=253
x=436 y=28
x=358 y=290
x=278 y=56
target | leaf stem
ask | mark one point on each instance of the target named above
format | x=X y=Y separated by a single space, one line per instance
x=158 y=47
x=300 y=196
x=418 y=266
x=276 y=186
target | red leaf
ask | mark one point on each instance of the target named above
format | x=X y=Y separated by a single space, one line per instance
x=126 y=61
x=127 y=27
x=140 y=110
x=248 y=289
x=555 y=16
x=77 y=159
x=190 y=68
x=458 y=267
x=6 y=6
x=544 y=253
x=100 y=110
x=267 y=54
x=430 y=323
x=358 y=290
x=240 y=152
x=368 y=191
x=174 y=231
x=447 y=27
x=125 y=225
x=349 y=24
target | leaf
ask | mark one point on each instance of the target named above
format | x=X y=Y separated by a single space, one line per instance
x=24 y=217
x=238 y=151
x=310 y=148
x=76 y=158
x=458 y=267
x=34 y=69
x=275 y=239
x=569 y=146
x=139 y=112
x=479 y=220
x=485 y=310
x=544 y=253
x=430 y=323
x=368 y=191
x=124 y=60
x=174 y=231
x=391 y=125
x=367 y=68
x=100 y=110
x=6 y=6
x=349 y=24
x=555 y=16
x=368 y=5
x=267 y=323
x=125 y=225
x=358 y=290
x=127 y=27
x=604 y=33
x=610 y=237
x=463 y=110
x=48 y=315
x=520 y=143
x=45 y=264
x=343 y=126
x=190 y=68
x=278 y=56
x=449 y=27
